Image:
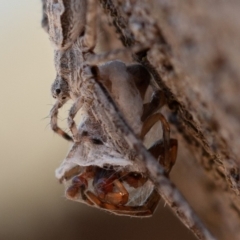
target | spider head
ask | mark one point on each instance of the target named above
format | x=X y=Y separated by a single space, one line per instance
x=60 y=89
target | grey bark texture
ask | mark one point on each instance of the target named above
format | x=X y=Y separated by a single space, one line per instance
x=196 y=63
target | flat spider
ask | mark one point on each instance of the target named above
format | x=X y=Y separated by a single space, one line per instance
x=98 y=141
x=73 y=47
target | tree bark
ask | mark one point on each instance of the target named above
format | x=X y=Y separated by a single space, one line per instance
x=195 y=61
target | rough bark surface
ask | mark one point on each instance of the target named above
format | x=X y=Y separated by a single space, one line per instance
x=196 y=63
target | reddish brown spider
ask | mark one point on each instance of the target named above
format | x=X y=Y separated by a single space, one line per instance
x=120 y=191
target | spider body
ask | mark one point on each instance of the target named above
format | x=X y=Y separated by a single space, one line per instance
x=71 y=55
x=101 y=177
x=120 y=192
x=98 y=140
x=64 y=21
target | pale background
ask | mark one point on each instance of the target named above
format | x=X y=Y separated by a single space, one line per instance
x=32 y=205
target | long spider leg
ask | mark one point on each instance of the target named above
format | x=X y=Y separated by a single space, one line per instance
x=72 y=113
x=53 y=122
x=89 y=39
x=150 y=122
x=78 y=187
x=145 y=210
x=157 y=101
x=157 y=150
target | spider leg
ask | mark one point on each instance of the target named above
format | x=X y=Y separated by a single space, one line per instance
x=157 y=150
x=68 y=174
x=79 y=186
x=53 y=123
x=145 y=210
x=149 y=123
x=73 y=193
x=72 y=113
x=157 y=101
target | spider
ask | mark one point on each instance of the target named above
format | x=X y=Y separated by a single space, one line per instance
x=71 y=53
x=120 y=191
x=97 y=141
x=101 y=177
x=64 y=21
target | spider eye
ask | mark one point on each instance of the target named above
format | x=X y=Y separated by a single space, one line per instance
x=64 y=97
x=58 y=91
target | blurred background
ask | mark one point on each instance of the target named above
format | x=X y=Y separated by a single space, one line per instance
x=32 y=203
